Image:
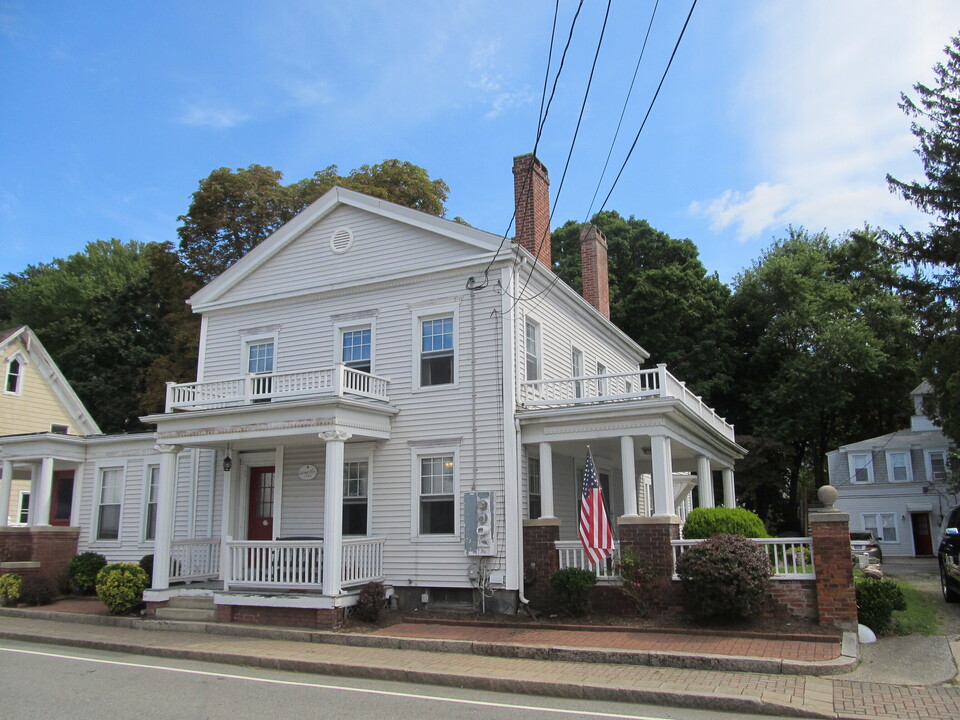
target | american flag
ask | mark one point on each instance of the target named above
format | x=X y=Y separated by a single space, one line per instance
x=595 y=532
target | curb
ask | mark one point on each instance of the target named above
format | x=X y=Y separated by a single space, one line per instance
x=728 y=703
x=848 y=660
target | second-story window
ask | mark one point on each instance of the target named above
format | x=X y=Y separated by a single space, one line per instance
x=355 y=351
x=532 y=349
x=14 y=376
x=436 y=351
x=601 y=381
x=898 y=466
x=260 y=358
x=577 y=357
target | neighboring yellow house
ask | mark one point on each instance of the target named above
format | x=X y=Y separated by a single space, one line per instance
x=35 y=397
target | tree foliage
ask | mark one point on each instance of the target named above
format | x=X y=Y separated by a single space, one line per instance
x=233 y=211
x=935 y=253
x=660 y=295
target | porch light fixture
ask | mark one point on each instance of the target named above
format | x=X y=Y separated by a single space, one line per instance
x=227 y=463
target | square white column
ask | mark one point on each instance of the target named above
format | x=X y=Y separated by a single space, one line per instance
x=662 y=460
x=5 y=488
x=629 y=470
x=166 y=500
x=333 y=510
x=40 y=501
x=546 y=481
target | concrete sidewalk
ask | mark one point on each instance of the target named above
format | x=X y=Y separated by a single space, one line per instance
x=604 y=665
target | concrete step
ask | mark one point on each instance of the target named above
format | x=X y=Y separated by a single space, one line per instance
x=193 y=602
x=451 y=607
x=186 y=614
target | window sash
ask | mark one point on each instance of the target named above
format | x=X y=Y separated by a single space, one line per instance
x=532 y=349
x=437 y=504
x=533 y=487
x=14 y=371
x=23 y=508
x=899 y=464
x=883 y=525
x=260 y=358
x=938 y=465
x=861 y=468
x=150 y=521
x=108 y=512
x=355 y=480
x=355 y=348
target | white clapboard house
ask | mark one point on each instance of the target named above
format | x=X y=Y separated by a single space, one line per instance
x=386 y=395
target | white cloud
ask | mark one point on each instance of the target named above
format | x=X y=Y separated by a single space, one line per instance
x=818 y=109
x=216 y=118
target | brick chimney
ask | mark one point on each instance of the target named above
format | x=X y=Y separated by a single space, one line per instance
x=531 y=192
x=593 y=260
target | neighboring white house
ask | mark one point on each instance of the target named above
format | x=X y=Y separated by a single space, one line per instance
x=390 y=394
x=35 y=398
x=894 y=484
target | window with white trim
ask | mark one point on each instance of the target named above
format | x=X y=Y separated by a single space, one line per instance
x=14 y=377
x=150 y=503
x=861 y=468
x=898 y=466
x=23 y=508
x=356 y=346
x=576 y=357
x=937 y=465
x=355 y=484
x=437 y=497
x=531 y=346
x=260 y=357
x=533 y=487
x=437 y=351
x=884 y=526
x=601 y=381
x=108 y=508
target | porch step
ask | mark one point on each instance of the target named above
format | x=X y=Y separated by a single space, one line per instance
x=190 y=609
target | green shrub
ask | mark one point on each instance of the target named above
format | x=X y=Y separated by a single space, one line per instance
x=120 y=587
x=83 y=568
x=706 y=522
x=635 y=579
x=38 y=590
x=876 y=601
x=724 y=577
x=370 y=602
x=146 y=562
x=572 y=587
x=10 y=588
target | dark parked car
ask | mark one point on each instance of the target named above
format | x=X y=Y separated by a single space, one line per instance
x=864 y=544
x=948 y=556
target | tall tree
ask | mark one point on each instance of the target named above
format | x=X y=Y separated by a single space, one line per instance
x=233 y=211
x=660 y=295
x=827 y=348
x=936 y=252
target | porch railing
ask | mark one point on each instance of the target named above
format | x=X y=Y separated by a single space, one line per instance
x=619 y=387
x=572 y=556
x=195 y=559
x=338 y=381
x=790 y=558
x=299 y=564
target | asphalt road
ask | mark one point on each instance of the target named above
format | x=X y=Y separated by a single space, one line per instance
x=46 y=681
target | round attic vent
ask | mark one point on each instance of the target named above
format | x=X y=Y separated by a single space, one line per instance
x=341 y=240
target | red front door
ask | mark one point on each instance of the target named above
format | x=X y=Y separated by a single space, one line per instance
x=922 y=540
x=260 y=518
x=61 y=497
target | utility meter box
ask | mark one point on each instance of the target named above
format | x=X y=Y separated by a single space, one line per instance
x=478 y=517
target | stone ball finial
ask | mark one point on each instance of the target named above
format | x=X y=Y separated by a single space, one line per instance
x=828 y=496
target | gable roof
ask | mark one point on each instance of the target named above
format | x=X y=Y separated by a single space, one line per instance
x=477 y=240
x=38 y=355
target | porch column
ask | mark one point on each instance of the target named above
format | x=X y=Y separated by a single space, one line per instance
x=166 y=500
x=40 y=502
x=662 y=458
x=705 y=482
x=628 y=465
x=5 y=487
x=333 y=510
x=546 y=481
x=227 y=516
x=729 y=492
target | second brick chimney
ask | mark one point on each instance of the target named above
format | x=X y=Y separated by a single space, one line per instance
x=593 y=260
x=531 y=192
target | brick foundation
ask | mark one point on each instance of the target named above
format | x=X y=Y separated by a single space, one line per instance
x=649 y=538
x=50 y=546
x=313 y=618
x=797 y=598
x=540 y=559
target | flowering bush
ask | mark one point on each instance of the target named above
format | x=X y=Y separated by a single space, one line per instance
x=634 y=579
x=10 y=588
x=120 y=587
x=724 y=576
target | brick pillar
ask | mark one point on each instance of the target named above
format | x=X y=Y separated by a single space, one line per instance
x=649 y=538
x=531 y=193
x=836 y=598
x=593 y=263
x=540 y=559
x=16 y=544
x=53 y=547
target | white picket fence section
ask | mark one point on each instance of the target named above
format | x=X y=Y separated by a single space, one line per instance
x=790 y=558
x=195 y=559
x=572 y=556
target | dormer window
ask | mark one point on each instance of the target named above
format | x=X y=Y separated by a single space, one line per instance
x=14 y=377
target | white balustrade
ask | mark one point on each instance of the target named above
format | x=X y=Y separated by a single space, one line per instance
x=572 y=555
x=230 y=392
x=362 y=561
x=790 y=558
x=195 y=559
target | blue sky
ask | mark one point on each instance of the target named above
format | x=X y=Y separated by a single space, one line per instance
x=774 y=112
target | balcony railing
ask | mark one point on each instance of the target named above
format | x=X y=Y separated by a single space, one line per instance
x=572 y=556
x=299 y=564
x=195 y=559
x=338 y=381
x=619 y=387
x=790 y=558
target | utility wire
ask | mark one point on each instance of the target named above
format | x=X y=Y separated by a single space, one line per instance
x=650 y=109
x=623 y=111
